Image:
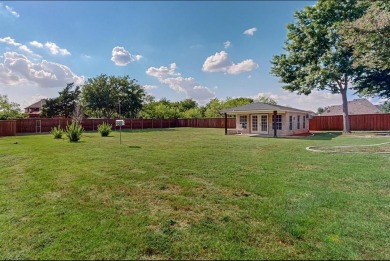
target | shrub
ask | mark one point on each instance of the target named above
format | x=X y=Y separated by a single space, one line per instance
x=104 y=129
x=57 y=132
x=74 y=131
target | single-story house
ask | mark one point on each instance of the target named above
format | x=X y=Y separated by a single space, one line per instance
x=260 y=118
x=35 y=110
x=355 y=107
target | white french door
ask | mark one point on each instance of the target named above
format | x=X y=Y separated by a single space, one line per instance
x=263 y=124
x=255 y=124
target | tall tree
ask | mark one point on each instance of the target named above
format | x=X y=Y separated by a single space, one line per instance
x=106 y=96
x=316 y=57
x=9 y=110
x=63 y=105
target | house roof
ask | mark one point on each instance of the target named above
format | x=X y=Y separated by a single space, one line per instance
x=356 y=106
x=38 y=104
x=261 y=107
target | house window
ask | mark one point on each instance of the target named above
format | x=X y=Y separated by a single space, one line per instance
x=298 y=122
x=243 y=121
x=290 y=123
x=278 y=122
x=304 y=122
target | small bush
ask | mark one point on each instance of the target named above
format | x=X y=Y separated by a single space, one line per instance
x=57 y=132
x=104 y=129
x=74 y=131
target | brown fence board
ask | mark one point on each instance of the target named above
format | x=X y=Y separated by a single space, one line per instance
x=364 y=122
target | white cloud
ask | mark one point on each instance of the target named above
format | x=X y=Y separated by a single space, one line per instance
x=250 y=31
x=121 y=57
x=25 y=49
x=162 y=71
x=150 y=87
x=227 y=44
x=244 y=66
x=187 y=86
x=18 y=69
x=249 y=76
x=36 y=44
x=220 y=62
x=85 y=56
x=12 y=11
x=10 y=41
x=305 y=102
x=55 y=49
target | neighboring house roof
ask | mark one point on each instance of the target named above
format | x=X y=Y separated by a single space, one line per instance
x=261 y=107
x=355 y=107
x=38 y=104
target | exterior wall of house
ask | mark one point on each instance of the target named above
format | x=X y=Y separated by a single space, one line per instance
x=285 y=131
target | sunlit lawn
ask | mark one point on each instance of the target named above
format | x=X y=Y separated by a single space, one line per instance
x=192 y=194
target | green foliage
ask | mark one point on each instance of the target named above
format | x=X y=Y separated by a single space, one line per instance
x=213 y=107
x=104 y=129
x=192 y=113
x=101 y=96
x=57 y=132
x=320 y=110
x=267 y=100
x=163 y=109
x=385 y=107
x=369 y=36
x=373 y=82
x=74 y=131
x=64 y=105
x=230 y=103
x=9 y=110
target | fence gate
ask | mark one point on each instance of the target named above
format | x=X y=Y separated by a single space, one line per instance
x=38 y=126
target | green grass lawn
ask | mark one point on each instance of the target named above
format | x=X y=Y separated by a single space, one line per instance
x=192 y=194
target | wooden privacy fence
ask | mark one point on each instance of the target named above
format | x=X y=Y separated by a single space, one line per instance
x=365 y=122
x=8 y=128
x=207 y=123
x=38 y=125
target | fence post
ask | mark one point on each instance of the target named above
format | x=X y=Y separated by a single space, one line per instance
x=142 y=123
x=152 y=124
x=131 y=123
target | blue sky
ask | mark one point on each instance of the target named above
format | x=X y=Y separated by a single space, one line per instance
x=174 y=49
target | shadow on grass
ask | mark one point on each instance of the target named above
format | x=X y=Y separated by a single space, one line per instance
x=315 y=136
x=135 y=147
x=323 y=136
x=143 y=130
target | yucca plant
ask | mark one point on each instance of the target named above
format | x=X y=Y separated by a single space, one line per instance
x=74 y=131
x=57 y=132
x=104 y=129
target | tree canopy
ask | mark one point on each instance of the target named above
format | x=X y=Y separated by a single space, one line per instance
x=369 y=35
x=9 y=110
x=106 y=96
x=63 y=105
x=369 y=38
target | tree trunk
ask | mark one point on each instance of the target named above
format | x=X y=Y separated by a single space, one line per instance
x=346 y=126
